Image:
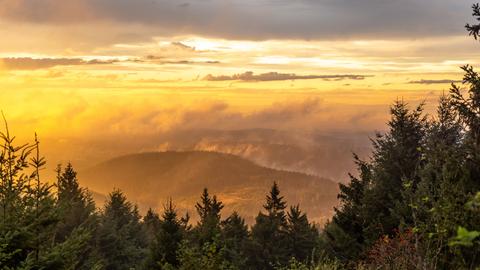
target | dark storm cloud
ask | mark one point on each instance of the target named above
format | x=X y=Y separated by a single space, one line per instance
x=27 y=63
x=257 y=19
x=275 y=76
x=435 y=81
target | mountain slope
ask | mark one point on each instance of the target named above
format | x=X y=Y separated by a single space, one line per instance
x=149 y=179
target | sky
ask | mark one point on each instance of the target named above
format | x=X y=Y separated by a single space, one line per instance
x=130 y=69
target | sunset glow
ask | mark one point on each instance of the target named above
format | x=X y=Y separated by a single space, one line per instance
x=114 y=68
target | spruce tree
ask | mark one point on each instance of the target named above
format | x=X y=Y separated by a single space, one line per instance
x=208 y=227
x=302 y=235
x=373 y=205
x=75 y=204
x=151 y=225
x=121 y=239
x=270 y=233
x=235 y=237
x=28 y=214
x=343 y=236
x=168 y=238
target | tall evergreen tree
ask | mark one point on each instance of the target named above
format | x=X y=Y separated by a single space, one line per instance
x=28 y=215
x=302 y=236
x=343 y=237
x=151 y=225
x=235 y=237
x=270 y=232
x=168 y=238
x=121 y=238
x=396 y=160
x=75 y=204
x=76 y=212
x=437 y=201
x=208 y=210
x=373 y=204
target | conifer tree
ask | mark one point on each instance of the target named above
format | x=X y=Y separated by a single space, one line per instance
x=270 y=232
x=235 y=237
x=343 y=236
x=151 y=225
x=75 y=204
x=302 y=236
x=121 y=239
x=28 y=215
x=372 y=205
x=168 y=238
x=208 y=210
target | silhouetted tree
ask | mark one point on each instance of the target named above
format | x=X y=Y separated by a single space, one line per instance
x=235 y=236
x=168 y=237
x=208 y=227
x=302 y=236
x=75 y=204
x=270 y=233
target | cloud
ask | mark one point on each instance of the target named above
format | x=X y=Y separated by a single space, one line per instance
x=435 y=81
x=279 y=112
x=189 y=62
x=182 y=46
x=220 y=115
x=249 y=76
x=27 y=63
x=159 y=60
x=256 y=19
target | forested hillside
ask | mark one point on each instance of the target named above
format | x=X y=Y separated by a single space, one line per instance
x=150 y=178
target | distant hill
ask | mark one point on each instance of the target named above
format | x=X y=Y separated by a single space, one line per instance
x=149 y=179
x=326 y=155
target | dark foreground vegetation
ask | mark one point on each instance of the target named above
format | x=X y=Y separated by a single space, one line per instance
x=414 y=205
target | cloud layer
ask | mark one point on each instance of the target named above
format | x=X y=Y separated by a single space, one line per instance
x=442 y=81
x=27 y=63
x=255 y=19
x=249 y=76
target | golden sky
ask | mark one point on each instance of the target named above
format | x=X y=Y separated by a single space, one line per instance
x=120 y=68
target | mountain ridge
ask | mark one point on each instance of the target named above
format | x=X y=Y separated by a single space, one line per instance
x=150 y=178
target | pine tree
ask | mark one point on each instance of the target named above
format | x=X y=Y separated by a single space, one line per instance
x=17 y=194
x=121 y=239
x=208 y=210
x=396 y=160
x=373 y=205
x=302 y=236
x=275 y=205
x=270 y=233
x=168 y=238
x=344 y=235
x=235 y=237
x=75 y=204
x=151 y=225
x=28 y=215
